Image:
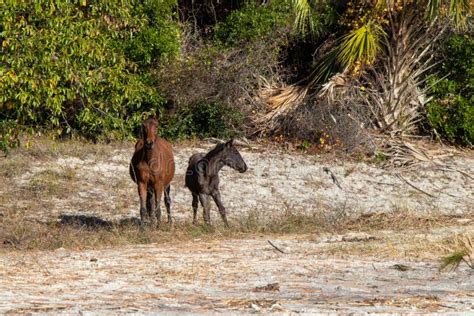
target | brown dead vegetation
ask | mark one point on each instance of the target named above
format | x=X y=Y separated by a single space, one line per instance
x=83 y=232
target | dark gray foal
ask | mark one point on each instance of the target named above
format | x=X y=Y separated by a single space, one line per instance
x=202 y=177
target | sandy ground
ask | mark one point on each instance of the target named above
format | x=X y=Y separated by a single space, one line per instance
x=222 y=276
x=206 y=277
x=275 y=182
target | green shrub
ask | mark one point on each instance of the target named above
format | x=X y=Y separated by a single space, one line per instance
x=73 y=66
x=158 y=37
x=203 y=119
x=8 y=135
x=253 y=21
x=451 y=112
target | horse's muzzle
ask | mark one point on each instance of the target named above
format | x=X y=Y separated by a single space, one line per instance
x=243 y=169
x=149 y=144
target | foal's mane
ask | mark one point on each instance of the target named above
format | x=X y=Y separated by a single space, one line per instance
x=216 y=150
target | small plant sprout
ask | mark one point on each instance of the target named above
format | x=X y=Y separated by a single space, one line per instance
x=463 y=252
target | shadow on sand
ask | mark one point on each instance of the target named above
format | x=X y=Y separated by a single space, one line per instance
x=94 y=222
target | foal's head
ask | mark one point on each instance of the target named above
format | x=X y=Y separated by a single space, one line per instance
x=232 y=158
x=149 y=129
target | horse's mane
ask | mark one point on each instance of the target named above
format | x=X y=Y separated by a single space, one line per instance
x=139 y=144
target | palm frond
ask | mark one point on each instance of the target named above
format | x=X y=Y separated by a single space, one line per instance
x=432 y=9
x=458 y=10
x=325 y=68
x=362 y=44
x=380 y=5
x=307 y=18
x=302 y=9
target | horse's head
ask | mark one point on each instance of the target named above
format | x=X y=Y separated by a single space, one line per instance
x=149 y=129
x=232 y=157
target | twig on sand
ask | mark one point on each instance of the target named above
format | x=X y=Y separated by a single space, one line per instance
x=413 y=186
x=275 y=247
x=373 y=266
x=458 y=170
x=333 y=177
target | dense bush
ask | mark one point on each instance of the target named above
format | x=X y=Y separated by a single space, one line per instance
x=451 y=112
x=8 y=135
x=202 y=119
x=228 y=78
x=157 y=39
x=254 y=21
x=76 y=67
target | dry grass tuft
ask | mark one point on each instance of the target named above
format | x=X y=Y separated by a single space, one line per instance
x=55 y=182
x=460 y=250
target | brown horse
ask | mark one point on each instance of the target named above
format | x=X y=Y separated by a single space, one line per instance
x=152 y=169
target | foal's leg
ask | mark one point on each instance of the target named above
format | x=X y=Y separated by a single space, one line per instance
x=168 y=202
x=217 y=199
x=206 y=208
x=142 y=192
x=195 y=207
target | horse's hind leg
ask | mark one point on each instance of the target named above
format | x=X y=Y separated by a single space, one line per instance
x=167 y=199
x=195 y=208
x=206 y=208
x=217 y=199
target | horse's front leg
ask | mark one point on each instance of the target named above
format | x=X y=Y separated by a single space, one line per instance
x=142 y=193
x=157 y=211
x=217 y=199
x=204 y=198
x=150 y=202
x=151 y=205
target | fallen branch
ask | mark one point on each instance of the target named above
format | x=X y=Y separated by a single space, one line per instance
x=271 y=244
x=413 y=186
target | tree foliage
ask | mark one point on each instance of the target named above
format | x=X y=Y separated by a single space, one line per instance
x=451 y=113
x=253 y=21
x=78 y=66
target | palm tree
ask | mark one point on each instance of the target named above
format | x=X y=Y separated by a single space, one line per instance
x=363 y=42
x=397 y=36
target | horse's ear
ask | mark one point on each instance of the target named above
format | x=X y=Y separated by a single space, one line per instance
x=230 y=143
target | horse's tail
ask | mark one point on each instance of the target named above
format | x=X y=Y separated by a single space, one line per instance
x=133 y=174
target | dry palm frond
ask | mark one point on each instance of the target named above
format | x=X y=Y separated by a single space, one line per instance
x=279 y=101
x=401 y=153
x=328 y=89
